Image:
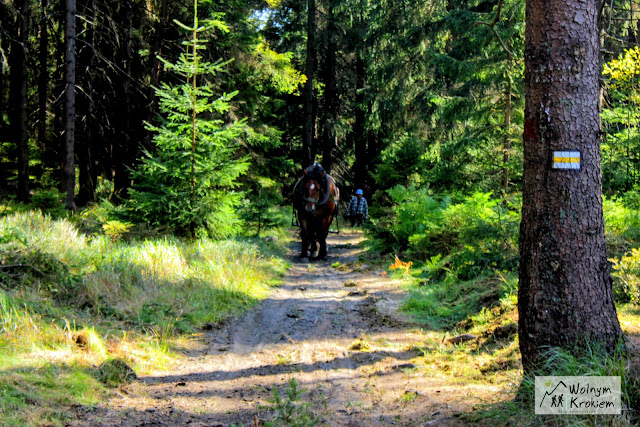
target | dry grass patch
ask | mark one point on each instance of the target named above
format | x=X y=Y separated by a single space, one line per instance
x=79 y=314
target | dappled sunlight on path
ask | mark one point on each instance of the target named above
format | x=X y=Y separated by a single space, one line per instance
x=334 y=329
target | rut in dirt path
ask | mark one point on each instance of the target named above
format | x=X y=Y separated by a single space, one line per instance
x=336 y=331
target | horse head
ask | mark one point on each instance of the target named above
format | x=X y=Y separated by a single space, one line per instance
x=311 y=195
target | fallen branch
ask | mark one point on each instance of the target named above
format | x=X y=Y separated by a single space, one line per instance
x=460 y=338
x=22 y=265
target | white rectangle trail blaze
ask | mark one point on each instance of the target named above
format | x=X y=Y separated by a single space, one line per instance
x=566 y=160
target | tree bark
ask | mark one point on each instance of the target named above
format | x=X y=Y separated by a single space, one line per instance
x=565 y=297
x=43 y=81
x=506 y=143
x=54 y=152
x=360 y=138
x=121 y=149
x=155 y=66
x=86 y=106
x=374 y=148
x=307 y=139
x=70 y=112
x=329 y=138
x=5 y=84
x=18 y=95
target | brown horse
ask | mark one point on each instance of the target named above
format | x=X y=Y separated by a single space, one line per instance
x=316 y=202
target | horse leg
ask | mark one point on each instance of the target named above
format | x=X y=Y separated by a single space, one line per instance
x=322 y=235
x=322 y=253
x=312 y=238
x=322 y=239
x=305 y=244
x=304 y=234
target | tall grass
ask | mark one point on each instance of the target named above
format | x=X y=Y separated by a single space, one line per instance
x=442 y=305
x=590 y=361
x=122 y=278
x=71 y=302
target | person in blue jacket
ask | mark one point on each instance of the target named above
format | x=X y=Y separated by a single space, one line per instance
x=358 y=210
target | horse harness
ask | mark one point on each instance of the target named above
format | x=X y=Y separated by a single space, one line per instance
x=327 y=193
x=324 y=198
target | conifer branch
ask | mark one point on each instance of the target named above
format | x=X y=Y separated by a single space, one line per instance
x=492 y=25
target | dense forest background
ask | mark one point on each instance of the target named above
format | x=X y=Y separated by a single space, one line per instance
x=145 y=144
x=381 y=93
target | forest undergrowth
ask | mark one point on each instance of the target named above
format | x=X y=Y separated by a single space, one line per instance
x=87 y=303
x=462 y=286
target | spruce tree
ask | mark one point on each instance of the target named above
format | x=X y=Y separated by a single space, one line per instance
x=188 y=181
x=564 y=297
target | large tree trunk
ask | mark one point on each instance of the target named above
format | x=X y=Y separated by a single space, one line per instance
x=307 y=138
x=86 y=106
x=18 y=97
x=360 y=138
x=329 y=138
x=121 y=149
x=43 y=78
x=506 y=142
x=565 y=295
x=70 y=110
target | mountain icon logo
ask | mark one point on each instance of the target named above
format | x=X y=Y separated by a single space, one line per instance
x=546 y=393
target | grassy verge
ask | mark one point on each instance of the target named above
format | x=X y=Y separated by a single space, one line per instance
x=458 y=258
x=471 y=330
x=81 y=313
x=589 y=362
x=484 y=311
x=488 y=365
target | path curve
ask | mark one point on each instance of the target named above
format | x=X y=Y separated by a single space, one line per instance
x=335 y=330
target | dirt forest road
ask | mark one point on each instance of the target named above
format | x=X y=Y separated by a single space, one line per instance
x=335 y=330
